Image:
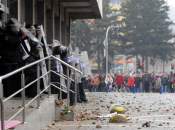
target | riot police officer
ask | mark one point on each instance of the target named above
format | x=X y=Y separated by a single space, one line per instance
x=31 y=72
x=11 y=56
x=40 y=37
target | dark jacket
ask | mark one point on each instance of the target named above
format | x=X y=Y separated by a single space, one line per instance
x=126 y=79
x=170 y=79
x=137 y=81
x=54 y=77
x=33 y=69
x=146 y=77
x=164 y=81
x=11 y=48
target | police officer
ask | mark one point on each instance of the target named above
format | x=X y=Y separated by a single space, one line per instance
x=11 y=56
x=31 y=72
x=40 y=37
x=27 y=42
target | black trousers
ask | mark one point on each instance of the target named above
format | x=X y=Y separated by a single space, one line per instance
x=81 y=92
x=12 y=83
x=119 y=86
x=31 y=91
x=147 y=85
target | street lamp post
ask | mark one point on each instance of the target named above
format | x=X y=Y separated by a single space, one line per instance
x=106 y=47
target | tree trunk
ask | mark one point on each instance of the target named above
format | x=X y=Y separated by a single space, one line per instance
x=163 y=66
x=146 y=63
x=98 y=53
x=136 y=63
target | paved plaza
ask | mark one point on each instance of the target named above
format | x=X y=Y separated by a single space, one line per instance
x=140 y=108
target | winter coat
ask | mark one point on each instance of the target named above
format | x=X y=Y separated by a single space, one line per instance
x=11 y=48
x=119 y=80
x=148 y=79
x=32 y=69
x=54 y=77
x=164 y=81
x=173 y=80
x=126 y=79
x=95 y=81
x=137 y=81
x=110 y=80
x=169 y=79
x=130 y=81
x=157 y=83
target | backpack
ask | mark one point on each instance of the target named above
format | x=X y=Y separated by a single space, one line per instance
x=146 y=79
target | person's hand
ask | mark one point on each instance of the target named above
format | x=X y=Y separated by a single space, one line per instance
x=23 y=35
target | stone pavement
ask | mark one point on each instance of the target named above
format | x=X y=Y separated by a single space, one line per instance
x=157 y=109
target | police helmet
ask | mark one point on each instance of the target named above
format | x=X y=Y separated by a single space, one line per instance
x=30 y=27
x=36 y=48
x=37 y=27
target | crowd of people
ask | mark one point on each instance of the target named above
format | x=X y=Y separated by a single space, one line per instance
x=134 y=82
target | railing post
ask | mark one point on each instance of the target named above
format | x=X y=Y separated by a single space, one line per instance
x=68 y=99
x=75 y=87
x=60 y=81
x=23 y=96
x=49 y=79
x=2 y=105
x=38 y=86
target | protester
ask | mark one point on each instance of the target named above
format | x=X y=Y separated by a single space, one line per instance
x=164 y=83
x=137 y=81
x=170 y=82
x=146 y=81
x=130 y=82
x=95 y=82
x=157 y=83
x=119 y=81
x=108 y=82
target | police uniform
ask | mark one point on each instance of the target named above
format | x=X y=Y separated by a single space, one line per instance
x=11 y=59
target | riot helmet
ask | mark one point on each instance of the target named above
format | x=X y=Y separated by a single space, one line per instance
x=11 y=26
x=31 y=28
x=38 y=29
x=36 y=48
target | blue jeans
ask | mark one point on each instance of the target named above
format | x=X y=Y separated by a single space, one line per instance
x=131 y=88
x=165 y=88
x=143 y=88
x=94 y=89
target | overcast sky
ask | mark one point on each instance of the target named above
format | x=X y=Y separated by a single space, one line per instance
x=171 y=3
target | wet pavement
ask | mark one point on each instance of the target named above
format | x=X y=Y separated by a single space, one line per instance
x=158 y=110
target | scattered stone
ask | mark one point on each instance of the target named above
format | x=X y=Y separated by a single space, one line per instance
x=93 y=123
x=160 y=124
x=139 y=128
x=12 y=107
x=31 y=106
x=147 y=124
x=19 y=107
x=98 y=126
x=56 y=120
x=101 y=100
x=53 y=123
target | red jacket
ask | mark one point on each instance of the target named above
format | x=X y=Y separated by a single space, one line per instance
x=131 y=81
x=173 y=80
x=119 y=80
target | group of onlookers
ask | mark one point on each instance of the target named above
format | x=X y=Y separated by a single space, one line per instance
x=145 y=82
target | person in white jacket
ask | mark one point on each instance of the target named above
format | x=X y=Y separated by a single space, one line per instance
x=109 y=81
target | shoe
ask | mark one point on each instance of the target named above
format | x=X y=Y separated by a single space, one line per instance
x=79 y=101
x=85 y=100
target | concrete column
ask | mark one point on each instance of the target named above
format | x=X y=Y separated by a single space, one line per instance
x=57 y=28
x=13 y=9
x=41 y=15
x=63 y=33
x=49 y=27
x=29 y=11
x=68 y=35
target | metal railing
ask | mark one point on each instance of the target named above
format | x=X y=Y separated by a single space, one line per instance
x=23 y=87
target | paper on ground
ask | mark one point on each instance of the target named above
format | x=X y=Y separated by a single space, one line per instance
x=107 y=116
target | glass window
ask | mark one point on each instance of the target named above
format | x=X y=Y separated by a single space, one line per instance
x=115 y=2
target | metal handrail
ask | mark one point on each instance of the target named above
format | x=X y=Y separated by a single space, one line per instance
x=22 y=90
